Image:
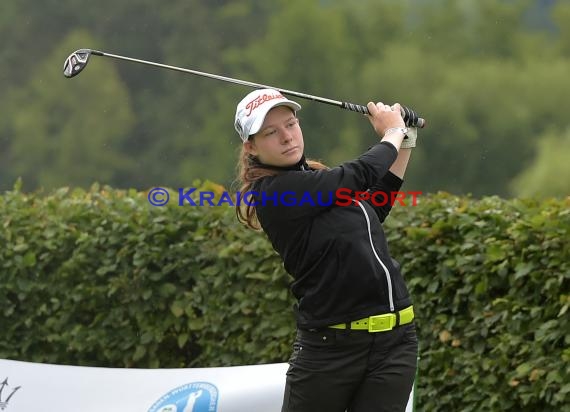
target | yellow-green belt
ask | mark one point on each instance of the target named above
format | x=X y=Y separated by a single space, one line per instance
x=380 y=323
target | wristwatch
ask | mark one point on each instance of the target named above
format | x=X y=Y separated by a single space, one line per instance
x=403 y=130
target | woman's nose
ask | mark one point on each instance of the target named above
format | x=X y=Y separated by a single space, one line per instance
x=286 y=136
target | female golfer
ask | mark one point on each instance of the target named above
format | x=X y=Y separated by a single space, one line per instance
x=356 y=345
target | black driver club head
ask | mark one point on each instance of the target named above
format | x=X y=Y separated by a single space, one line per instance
x=76 y=62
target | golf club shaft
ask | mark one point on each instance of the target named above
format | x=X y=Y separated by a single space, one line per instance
x=410 y=118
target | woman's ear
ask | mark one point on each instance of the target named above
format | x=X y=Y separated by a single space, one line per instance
x=250 y=148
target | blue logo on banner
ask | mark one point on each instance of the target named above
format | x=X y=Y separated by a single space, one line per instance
x=192 y=397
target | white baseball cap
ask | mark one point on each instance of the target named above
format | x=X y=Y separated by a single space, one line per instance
x=251 y=111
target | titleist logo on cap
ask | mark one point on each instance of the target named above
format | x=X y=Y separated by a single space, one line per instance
x=259 y=100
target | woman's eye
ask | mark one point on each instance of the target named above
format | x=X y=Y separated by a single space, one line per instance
x=270 y=132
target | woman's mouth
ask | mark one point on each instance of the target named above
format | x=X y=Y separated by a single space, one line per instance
x=290 y=150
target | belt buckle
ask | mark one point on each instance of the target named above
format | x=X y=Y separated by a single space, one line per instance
x=381 y=323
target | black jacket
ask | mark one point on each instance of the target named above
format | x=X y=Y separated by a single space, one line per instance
x=338 y=275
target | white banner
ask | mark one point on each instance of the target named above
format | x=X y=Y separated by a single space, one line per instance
x=30 y=387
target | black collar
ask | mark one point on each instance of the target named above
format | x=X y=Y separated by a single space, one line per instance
x=300 y=165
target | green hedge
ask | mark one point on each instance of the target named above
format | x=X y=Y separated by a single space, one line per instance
x=102 y=278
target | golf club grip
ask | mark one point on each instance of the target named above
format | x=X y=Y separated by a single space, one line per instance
x=411 y=118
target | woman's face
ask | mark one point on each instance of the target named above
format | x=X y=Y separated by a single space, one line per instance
x=279 y=142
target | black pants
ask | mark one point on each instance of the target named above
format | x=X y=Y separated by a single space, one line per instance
x=334 y=370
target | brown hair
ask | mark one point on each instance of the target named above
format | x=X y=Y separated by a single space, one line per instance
x=248 y=172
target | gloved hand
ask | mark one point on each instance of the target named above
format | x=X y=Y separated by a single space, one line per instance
x=410 y=141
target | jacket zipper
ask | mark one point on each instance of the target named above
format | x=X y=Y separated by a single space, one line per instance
x=386 y=272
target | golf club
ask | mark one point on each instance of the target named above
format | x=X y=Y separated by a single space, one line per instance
x=77 y=61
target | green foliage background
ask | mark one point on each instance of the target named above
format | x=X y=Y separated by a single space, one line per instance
x=101 y=278
x=490 y=77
